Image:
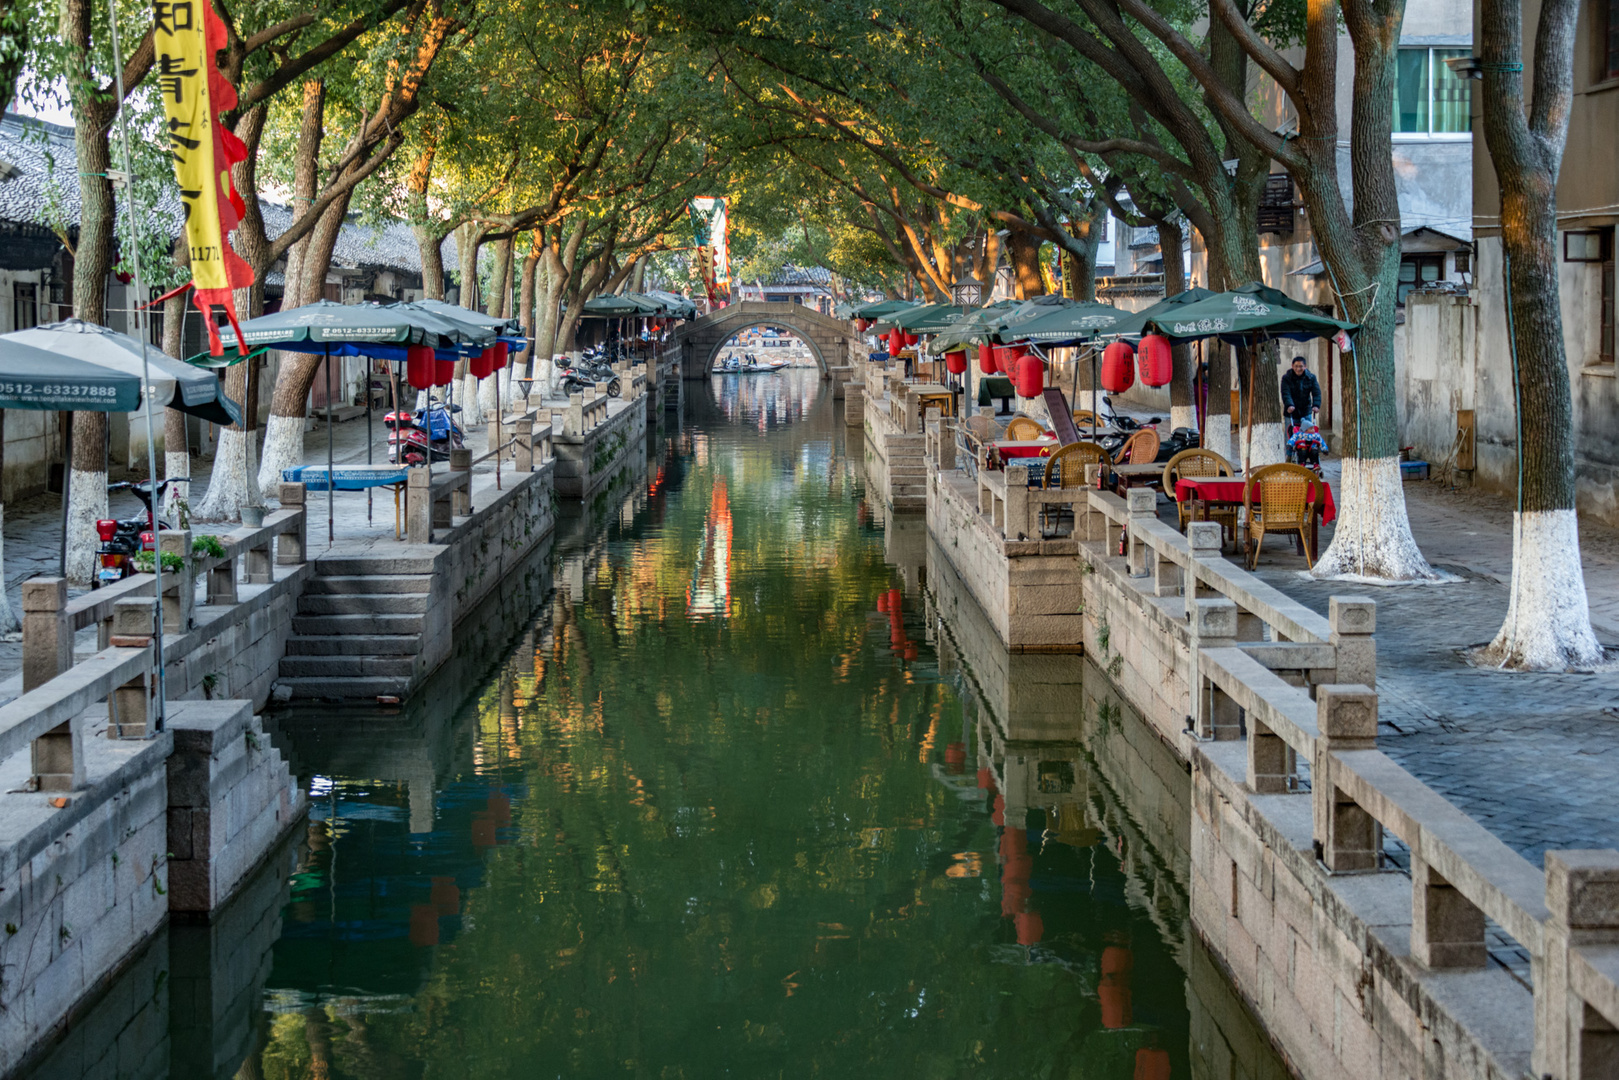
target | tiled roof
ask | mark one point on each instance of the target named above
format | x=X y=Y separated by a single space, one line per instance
x=391 y=245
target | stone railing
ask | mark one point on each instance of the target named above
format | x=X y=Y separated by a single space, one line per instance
x=434 y=499
x=1298 y=691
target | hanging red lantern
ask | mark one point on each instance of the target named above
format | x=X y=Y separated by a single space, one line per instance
x=419 y=366
x=986 y=360
x=1029 y=376
x=1155 y=360
x=955 y=361
x=443 y=371
x=1118 y=367
x=911 y=339
x=1005 y=357
x=862 y=325
x=503 y=353
x=895 y=341
x=483 y=365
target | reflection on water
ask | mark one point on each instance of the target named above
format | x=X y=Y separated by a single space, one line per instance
x=736 y=801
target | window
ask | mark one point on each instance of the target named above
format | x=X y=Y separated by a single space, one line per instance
x=1608 y=41
x=1276 y=204
x=1417 y=271
x=1605 y=327
x=24 y=305
x=1588 y=245
x=1464 y=263
x=1429 y=99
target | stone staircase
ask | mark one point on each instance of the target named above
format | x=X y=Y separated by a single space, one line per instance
x=907 y=472
x=358 y=633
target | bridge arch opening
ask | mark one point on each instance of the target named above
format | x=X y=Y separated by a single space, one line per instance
x=760 y=345
x=830 y=341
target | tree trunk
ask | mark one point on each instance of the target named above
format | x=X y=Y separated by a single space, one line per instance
x=176 y=452
x=500 y=307
x=1182 y=397
x=1548 y=622
x=430 y=242
x=468 y=246
x=1262 y=441
x=8 y=617
x=1024 y=252
x=523 y=363
x=92 y=260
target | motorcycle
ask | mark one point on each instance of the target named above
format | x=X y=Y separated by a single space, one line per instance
x=586 y=373
x=122 y=538
x=414 y=437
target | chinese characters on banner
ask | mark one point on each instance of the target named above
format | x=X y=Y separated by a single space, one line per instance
x=186 y=36
x=708 y=218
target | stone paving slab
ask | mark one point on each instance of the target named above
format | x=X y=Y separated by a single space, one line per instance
x=1533 y=757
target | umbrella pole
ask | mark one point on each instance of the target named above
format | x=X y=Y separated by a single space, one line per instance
x=1248 y=417
x=331 y=479
x=67 y=493
x=368 y=460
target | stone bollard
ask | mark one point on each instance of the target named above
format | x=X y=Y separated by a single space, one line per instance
x=1354 y=621
x=47 y=640
x=461 y=497
x=221 y=583
x=1447 y=930
x=418 y=506
x=1573 y=1039
x=1143 y=506
x=1214 y=626
x=1204 y=539
x=179 y=589
x=523 y=448
x=291 y=548
x=575 y=424
x=1016 y=525
x=1347 y=838
x=129 y=707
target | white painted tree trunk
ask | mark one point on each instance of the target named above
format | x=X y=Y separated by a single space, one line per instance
x=1182 y=416
x=1548 y=624
x=489 y=397
x=467 y=397
x=86 y=503
x=512 y=387
x=1268 y=447
x=176 y=463
x=283 y=449
x=234 y=482
x=8 y=616
x=1217 y=436
x=1372 y=537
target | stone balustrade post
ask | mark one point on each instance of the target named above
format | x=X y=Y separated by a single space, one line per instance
x=130 y=706
x=461 y=497
x=1354 y=622
x=523 y=450
x=575 y=423
x=1447 y=929
x=418 y=505
x=47 y=640
x=220 y=584
x=947 y=443
x=179 y=587
x=292 y=546
x=1143 y=506
x=1347 y=838
x=1205 y=540
x=1016 y=526
x=1573 y=1040
x=1213 y=625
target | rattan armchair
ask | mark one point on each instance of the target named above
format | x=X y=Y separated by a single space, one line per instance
x=1024 y=429
x=1065 y=468
x=1287 y=496
x=1198 y=464
x=1140 y=448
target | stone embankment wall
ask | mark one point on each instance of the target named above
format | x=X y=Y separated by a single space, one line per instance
x=592 y=440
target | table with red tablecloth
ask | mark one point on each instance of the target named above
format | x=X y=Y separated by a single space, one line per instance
x=1223 y=491
x=1016 y=448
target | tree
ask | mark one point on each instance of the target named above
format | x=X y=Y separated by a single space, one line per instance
x=1548 y=623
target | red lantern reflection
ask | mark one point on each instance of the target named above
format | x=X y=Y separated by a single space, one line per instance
x=1030 y=927
x=955 y=758
x=446 y=896
x=1152 y=1064
x=1114 y=990
x=483 y=831
x=423 y=924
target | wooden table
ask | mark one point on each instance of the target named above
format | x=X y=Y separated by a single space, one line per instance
x=1148 y=474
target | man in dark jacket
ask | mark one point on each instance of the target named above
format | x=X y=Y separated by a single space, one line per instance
x=1301 y=395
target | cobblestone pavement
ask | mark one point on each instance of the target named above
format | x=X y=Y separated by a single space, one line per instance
x=1534 y=757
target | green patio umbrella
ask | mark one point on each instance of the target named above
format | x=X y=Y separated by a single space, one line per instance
x=326 y=324
x=879 y=309
x=457 y=314
x=1134 y=323
x=32 y=378
x=175 y=385
x=924 y=318
x=1071 y=324
x=1245 y=315
x=973 y=327
x=608 y=306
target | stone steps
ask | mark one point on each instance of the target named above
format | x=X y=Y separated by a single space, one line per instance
x=352 y=688
x=361 y=625
x=346 y=667
x=373 y=565
x=354 y=645
x=367 y=584
x=379 y=604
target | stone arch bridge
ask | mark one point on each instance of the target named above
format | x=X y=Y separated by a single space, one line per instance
x=700 y=340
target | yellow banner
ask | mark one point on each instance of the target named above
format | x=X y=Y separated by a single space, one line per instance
x=180 y=40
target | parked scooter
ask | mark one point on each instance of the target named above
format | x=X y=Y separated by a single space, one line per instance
x=122 y=538
x=585 y=373
x=413 y=438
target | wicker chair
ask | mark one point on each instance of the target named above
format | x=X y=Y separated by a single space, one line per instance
x=1140 y=448
x=1024 y=429
x=1197 y=463
x=1065 y=468
x=1084 y=418
x=977 y=432
x=1287 y=495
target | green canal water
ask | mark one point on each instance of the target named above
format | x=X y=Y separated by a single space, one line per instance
x=732 y=802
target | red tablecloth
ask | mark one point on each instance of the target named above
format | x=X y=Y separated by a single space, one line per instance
x=1230 y=491
x=1026 y=448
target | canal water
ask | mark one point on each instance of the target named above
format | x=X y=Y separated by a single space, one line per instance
x=733 y=801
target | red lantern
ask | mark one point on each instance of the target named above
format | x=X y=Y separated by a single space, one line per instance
x=1118 y=367
x=911 y=339
x=955 y=362
x=419 y=366
x=1005 y=357
x=862 y=325
x=1155 y=360
x=483 y=365
x=895 y=340
x=986 y=360
x=503 y=353
x=1030 y=376
x=443 y=371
